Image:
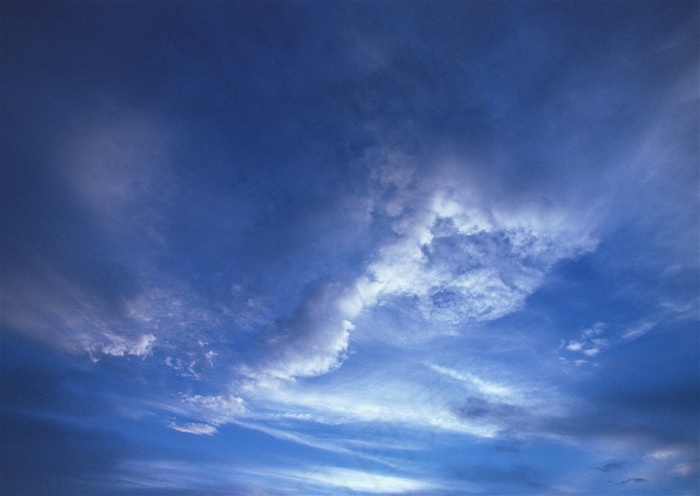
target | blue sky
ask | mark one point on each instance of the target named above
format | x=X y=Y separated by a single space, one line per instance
x=298 y=248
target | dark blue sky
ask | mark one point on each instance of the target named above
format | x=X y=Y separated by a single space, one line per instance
x=283 y=248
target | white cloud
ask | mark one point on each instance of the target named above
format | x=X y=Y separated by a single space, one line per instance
x=464 y=263
x=310 y=343
x=358 y=480
x=457 y=261
x=595 y=330
x=638 y=331
x=266 y=479
x=574 y=346
x=50 y=307
x=588 y=343
x=481 y=385
x=347 y=447
x=217 y=410
x=194 y=428
x=591 y=343
x=402 y=396
x=396 y=402
x=120 y=346
x=664 y=454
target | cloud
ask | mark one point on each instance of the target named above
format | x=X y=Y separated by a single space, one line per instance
x=117 y=169
x=313 y=341
x=359 y=450
x=474 y=407
x=222 y=478
x=663 y=454
x=137 y=319
x=481 y=385
x=686 y=469
x=465 y=263
x=174 y=476
x=376 y=400
x=635 y=480
x=65 y=314
x=194 y=428
x=403 y=396
x=445 y=252
x=638 y=331
x=609 y=467
x=422 y=221
x=217 y=410
x=357 y=480
x=141 y=346
x=588 y=343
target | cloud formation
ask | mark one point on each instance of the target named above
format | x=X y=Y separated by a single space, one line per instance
x=290 y=249
x=194 y=428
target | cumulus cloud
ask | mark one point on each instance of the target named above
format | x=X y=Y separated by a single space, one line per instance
x=463 y=263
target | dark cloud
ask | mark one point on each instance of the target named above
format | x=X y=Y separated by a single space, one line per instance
x=635 y=480
x=478 y=408
x=609 y=467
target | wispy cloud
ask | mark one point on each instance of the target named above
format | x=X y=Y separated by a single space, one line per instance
x=337 y=478
x=638 y=330
x=120 y=346
x=686 y=469
x=220 y=409
x=194 y=428
x=609 y=467
x=306 y=479
x=481 y=385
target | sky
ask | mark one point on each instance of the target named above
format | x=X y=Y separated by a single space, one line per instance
x=350 y=248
